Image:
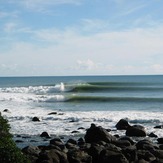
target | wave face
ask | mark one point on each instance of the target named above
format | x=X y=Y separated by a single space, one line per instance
x=82 y=100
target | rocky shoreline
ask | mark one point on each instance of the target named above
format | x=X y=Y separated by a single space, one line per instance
x=99 y=146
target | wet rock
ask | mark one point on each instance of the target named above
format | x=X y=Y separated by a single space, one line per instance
x=81 y=128
x=72 y=141
x=52 y=156
x=159 y=127
x=146 y=155
x=160 y=140
x=107 y=156
x=45 y=134
x=152 y=135
x=130 y=153
x=35 y=119
x=78 y=156
x=122 y=143
x=136 y=130
x=31 y=152
x=95 y=151
x=52 y=113
x=127 y=138
x=53 y=141
x=146 y=145
x=6 y=110
x=75 y=132
x=19 y=141
x=122 y=124
x=95 y=134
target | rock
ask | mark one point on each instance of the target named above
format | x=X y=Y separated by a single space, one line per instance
x=81 y=128
x=52 y=113
x=6 y=110
x=152 y=135
x=31 y=152
x=75 y=132
x=78 y=156
x=130 y=153
x=122 y=143
x=95 y=134
x=72 y=141
x=146 y=145
x=107 y=156
x=159 y=127
x=146 y=155
x=95 y=151
x=53 y=141
x=19 y=141
x=51 y=156
x=35 y=119
x=45 y=134
x=160 y=140
x=136 y=130
x=127 y=138
x=122 y=125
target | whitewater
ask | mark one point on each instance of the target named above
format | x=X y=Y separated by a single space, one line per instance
x=78 y=101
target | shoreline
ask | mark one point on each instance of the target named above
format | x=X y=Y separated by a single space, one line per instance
x=97 y=145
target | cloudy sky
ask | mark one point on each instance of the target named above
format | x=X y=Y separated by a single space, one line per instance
x=81 y=37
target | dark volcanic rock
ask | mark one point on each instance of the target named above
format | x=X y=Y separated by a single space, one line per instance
x=31 y=152
x=52 y=156
x=78 y=156
x=159 y=127
x=35 y=119
x=136 y=130
x=52 y=113
x=96 y=134
x=160 y=140
x=122 y=125
x=107 y=156
x=45 y=134
x=146 y=145
x=152 y=135
x=6 y=110
x=99 y=146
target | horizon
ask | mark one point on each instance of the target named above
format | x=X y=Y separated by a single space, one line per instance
x=80 y=37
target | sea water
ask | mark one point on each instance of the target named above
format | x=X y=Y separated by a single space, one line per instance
x=79 y=101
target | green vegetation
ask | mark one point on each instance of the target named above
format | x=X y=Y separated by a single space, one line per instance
x=9 y=152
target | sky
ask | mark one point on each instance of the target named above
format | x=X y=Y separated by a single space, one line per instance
x=81 y=37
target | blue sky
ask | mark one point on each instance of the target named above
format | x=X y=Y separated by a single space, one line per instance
x=81 y=37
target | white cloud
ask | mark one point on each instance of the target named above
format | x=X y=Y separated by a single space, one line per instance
x=69 y=52
x=87 y=65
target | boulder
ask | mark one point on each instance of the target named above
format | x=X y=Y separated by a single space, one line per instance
x=159 y=127
x=6 y=110
x=107 y=156
x=35 y=119
x=95 y=151
x=31 y=152
x=146 y=145
x=152 y=135
x=95 y=134
x=45 y=134
x=136 y=130
x=52 y=113
x=160 y=140
x=78 y=156
x=51 y=156
x=122 y=124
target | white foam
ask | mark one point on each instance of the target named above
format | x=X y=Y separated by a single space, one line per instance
x=64 y=124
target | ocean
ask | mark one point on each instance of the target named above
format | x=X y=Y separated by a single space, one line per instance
x=79 y=101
